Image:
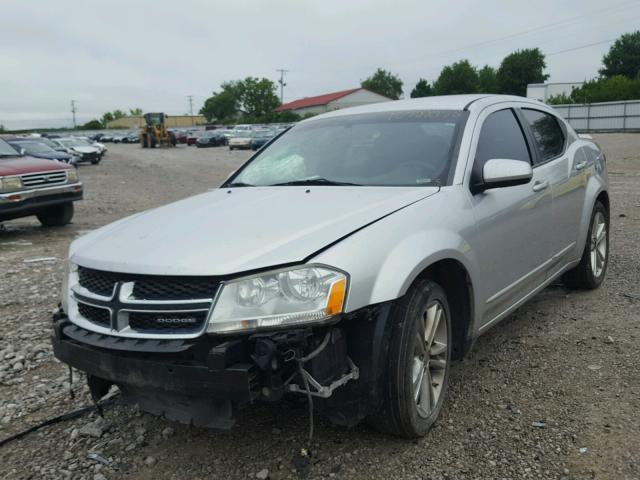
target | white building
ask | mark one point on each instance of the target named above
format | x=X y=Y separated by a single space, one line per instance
x=542 y=91
x=332 y=101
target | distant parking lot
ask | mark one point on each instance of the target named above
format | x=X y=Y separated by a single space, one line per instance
x=552 y=392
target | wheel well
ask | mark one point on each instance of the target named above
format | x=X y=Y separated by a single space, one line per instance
x=603 y=198
x=454 y=279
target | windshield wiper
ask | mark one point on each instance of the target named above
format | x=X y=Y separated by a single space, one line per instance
x=237 y=184
x=313 y=181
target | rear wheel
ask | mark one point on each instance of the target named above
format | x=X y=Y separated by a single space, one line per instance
x=591 y=270
x=418 y=366
x=57 y=215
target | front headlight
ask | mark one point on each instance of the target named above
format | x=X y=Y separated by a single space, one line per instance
x=10 y=184
x=72 y=176
x=291 y=297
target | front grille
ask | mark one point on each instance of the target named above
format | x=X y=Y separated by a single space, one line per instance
x=148 y=307
x=45 y=179
x=174 y=288
x=99 y=316
x=167 y=321
x=100 y=283
x=90 y=156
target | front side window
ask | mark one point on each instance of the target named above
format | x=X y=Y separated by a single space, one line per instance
x=379 y=149
x=547 y=133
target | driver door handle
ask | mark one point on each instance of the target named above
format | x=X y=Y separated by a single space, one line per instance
x=540 y=185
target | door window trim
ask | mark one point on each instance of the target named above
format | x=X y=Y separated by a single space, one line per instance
x=523 y=131
x=531 y=137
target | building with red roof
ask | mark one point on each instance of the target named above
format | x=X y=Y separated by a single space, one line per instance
x=332 y=101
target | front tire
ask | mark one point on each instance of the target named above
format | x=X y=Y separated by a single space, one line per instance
x=419 y=360
x=56 y=216
x=590 y=272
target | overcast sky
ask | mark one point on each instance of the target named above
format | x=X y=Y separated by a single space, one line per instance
x=123 y=54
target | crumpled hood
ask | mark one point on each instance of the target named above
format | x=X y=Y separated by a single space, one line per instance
x=221 y=233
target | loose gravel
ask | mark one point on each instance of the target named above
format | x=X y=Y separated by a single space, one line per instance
x=552 y=392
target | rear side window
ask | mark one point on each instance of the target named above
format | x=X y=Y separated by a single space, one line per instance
x=547 y=133
x=500 y=137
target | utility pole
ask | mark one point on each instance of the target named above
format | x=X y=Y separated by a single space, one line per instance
x=73 y=112
x=190 y=98
x=281 y=82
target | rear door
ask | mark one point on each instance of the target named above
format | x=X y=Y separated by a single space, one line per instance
x=511 y=243
x=563 y=163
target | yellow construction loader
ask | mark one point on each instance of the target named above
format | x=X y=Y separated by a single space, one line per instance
x=154 y=132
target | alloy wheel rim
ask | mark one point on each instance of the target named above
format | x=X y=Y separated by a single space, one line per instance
x=431 y=353
x=598 y=249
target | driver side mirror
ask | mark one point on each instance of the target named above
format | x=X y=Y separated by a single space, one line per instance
x=502 y=172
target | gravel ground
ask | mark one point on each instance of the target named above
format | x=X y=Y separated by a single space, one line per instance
x=567 y=359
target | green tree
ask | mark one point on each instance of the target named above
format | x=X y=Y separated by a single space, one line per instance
x=384 y=83
x=118 y=114
x=560 y=99
x=223 y=106
x=609 y=89
x=623 y=57
x=285 y=117
x=460 y=77
x=135 y=112
x=2 y=129
x=257 y=97
x=487 y=80
x=520 y=68
x=422 y=89
x=106 y=118
x=91 y=125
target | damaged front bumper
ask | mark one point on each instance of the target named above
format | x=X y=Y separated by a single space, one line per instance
x=199 y=381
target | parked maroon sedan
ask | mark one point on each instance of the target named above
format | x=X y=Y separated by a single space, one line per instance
x=193 y=137
x=33 y=186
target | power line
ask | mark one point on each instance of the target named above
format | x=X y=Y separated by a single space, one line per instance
x=281 y=82
x=580 y=47
x=618 y=7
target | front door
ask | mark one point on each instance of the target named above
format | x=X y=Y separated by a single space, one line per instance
x=511 y=244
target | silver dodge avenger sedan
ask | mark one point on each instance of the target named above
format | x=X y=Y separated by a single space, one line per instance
x=349 y=262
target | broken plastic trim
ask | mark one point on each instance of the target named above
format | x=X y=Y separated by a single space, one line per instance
x=323 y=391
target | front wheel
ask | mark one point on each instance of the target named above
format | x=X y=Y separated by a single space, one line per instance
x=591 y=270
x=57 y=215
x=417 y=373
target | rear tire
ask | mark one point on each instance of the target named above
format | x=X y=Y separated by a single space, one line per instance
x=592 y=269
x=415 y=383
x=56 y=216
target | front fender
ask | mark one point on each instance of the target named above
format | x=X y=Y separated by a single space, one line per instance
x=385 y=258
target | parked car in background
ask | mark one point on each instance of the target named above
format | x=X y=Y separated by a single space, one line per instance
x=119 y=137
x=211 y=138
x=260 y=137
x=131 y=137
x=36 y=186
x=192 y=138
x=81 y=148
x=181 y=136
x=37 y=149
x=100 y=146
x=107 y=137
x=240 y=140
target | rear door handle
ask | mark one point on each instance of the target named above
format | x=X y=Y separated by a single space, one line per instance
x=581 y=165
x=540 y=185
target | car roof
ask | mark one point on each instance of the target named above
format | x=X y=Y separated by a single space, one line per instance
x=442 y=102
